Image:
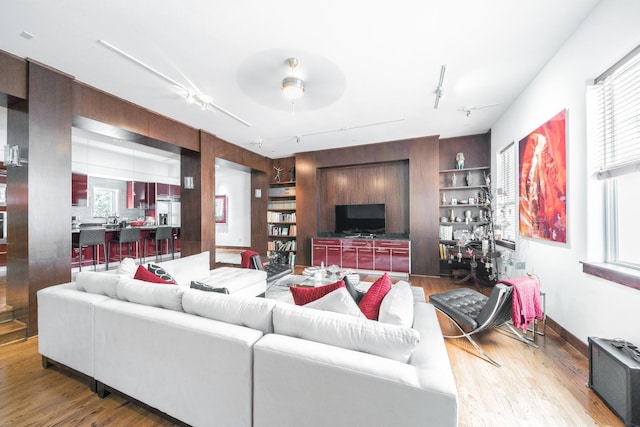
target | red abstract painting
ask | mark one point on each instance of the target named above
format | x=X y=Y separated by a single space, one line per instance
x=543 y=181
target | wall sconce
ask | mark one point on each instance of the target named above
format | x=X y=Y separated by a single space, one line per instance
x=188 y=183
x=12 y=156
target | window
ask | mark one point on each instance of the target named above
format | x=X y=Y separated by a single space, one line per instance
x=505 y=208
x=105 y=202
x=615 y=108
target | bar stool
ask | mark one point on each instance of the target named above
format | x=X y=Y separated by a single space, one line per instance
x=127 y=236
x=160 y=234
x=92 y=237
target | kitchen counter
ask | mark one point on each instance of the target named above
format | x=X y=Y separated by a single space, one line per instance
x=142 y=227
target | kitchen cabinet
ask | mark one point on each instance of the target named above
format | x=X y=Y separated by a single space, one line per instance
x=79 y=193
x=141 y=195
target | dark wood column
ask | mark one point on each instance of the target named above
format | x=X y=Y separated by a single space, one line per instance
x=39 y=192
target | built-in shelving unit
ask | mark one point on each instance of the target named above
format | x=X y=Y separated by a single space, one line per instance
x=281 y=222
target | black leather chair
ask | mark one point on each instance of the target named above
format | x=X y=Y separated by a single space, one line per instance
x=473 y=312
x=94 y=237
x=127 y=236
x=274 y=271
x=157 y=236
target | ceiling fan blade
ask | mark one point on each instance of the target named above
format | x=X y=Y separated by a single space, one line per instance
x=167 y=79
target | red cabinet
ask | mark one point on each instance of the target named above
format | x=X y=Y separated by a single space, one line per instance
x=363 y=254
x=78 y=189
x=325 y=251
x=393 y=255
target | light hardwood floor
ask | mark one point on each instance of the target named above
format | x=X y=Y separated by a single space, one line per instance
x=535 y=387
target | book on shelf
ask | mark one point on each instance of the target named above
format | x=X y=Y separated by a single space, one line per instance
x=281 y=217
x=282 y=191
x=281 y=204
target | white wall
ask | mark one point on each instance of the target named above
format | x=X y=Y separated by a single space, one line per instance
x=236 y=185
x=582 y=304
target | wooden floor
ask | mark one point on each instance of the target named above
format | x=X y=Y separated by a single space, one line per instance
x=535 y=387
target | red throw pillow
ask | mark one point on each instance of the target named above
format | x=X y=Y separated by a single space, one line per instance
x=303 y=295
x=143 y=274
x=370 y=302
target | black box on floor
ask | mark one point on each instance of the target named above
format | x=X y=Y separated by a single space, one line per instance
x=615 y=376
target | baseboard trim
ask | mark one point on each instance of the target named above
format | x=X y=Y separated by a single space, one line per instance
x=574 y=341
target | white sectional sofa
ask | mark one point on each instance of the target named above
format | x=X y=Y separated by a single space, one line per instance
x=210 y=359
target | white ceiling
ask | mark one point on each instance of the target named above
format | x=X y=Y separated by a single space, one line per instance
x=364 y=62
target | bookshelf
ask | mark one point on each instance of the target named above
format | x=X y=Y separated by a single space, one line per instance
x=281 y=222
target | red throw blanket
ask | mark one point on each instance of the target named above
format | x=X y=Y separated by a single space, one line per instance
x=525 y=304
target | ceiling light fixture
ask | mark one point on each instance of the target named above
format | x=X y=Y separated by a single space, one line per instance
x=440 y=88
x=292 y=86
x=200 y=99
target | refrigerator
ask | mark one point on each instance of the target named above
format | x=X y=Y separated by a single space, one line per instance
x=168 y=213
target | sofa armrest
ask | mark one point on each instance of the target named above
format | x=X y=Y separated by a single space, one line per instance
x=66 y=326
x=326 y=385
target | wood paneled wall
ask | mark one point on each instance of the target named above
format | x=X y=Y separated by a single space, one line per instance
x=39 y=192
x=420 y=192
x=386 y=183
x=13 y=78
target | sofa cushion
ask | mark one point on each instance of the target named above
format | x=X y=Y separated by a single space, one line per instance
x=370 y=302
x=160 y=272
x=355 y=293
x=338 y=301
x=304 y=295
x=98 y=283
x=204 y=287
x=252 y=312
x=397 y=306
x=186 y=269
x=127 y=266
x=341 y=330
x=145 y=275
x=147 y=293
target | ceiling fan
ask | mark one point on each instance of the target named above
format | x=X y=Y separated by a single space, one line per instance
x=192 y=96
x=468 y=110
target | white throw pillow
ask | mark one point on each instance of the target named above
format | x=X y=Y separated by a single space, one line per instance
x=154 y=294
x=340 y=330
x=98 y=282
x=338 y=301
x=186 y=269
x=397 y=305
x=128 y=267
x=252 y=312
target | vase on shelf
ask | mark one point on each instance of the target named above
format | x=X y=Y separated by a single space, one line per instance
x=454 y=180
x=469 y=179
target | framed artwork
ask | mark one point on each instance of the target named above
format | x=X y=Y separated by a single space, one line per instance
x=543 y=181
x=221 y=209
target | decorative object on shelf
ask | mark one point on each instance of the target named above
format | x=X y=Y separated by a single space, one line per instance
x=292 y=173
x=444 y=199
x=454 y=180
x=487 y=179
x=452 y=215
x=221 y=209
x=278 y=170
x=469 y=179
x=460 y=161
x=543 y=181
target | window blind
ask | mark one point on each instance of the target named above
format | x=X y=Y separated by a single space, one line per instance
x=615 y=99
x=506 y=189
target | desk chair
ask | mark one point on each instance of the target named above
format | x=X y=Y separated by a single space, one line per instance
x=92 y=237
x=473 y=312
x=127 y=236
x=160 y=234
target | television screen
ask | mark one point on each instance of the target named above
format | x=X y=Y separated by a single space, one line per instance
x=356 y=219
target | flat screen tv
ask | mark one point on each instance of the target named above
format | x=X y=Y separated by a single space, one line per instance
x=360 y=219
